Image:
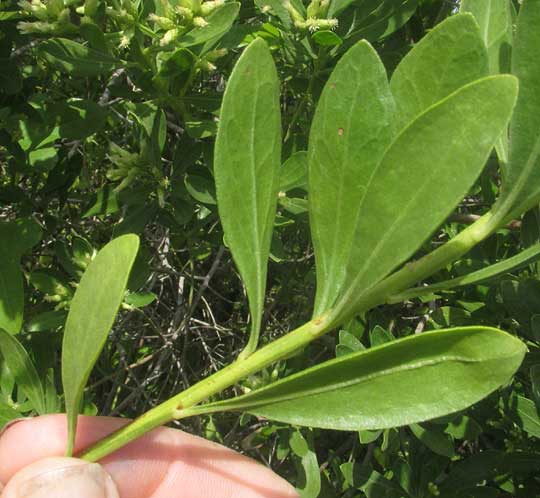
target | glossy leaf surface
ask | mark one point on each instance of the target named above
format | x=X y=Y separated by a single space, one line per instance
x=23 y=370
x=434 y=161
x=351 y=130
x=247 y=168
x=521 y=185
x=91 y=316
x=448 y=57
x=406 y=381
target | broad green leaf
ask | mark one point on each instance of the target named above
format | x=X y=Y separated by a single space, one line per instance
x=495 y=20
x=91 y=316
x=521 y=177
x=247 y=168
x=219 y=22
x=293 y=172
x=23 y=370
x=76 y=59
x=351 y=130
x=520 y=260
x=406 y=381
x=434 y=160
x=448 y=57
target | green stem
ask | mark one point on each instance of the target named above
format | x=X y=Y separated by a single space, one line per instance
x=181 y=405
x=415 y=271
x=178 y=406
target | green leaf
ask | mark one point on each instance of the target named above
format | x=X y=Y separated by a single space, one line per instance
x=521 y=177
x=526 y=415
x=219 y=22
x=276 y=8
x=91 y=316
x=495 y=20
x=326 y=38
x=437 y=442
x=77 y=118
x=349 y=134
x=11 y=293
x=17 y=238
x=435 y=160
x=406 y=381
x=448 y=57
x=376 y=19
x=311 y=485
x=23 y=370
x=490 y=272
x=293 y=172
x=247 y=169
x=201 y=188
x=76 y=59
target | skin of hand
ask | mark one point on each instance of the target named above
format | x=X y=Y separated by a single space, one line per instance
x=165 y=463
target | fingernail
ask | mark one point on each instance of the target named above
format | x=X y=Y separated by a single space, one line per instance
x=61 y=477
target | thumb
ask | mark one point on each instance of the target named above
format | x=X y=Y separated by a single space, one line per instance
x=59 y=477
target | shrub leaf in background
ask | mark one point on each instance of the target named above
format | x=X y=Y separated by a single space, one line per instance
x=351 y=130
x=247 y=170
x=521 y=176
x=431 y=375
x=219 y=22
x=76 y=59
x=495 y=20
x=23 y=370
x=91 y=316
x=524 y=258
x=16 y=238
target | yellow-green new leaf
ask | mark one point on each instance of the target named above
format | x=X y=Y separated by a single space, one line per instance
x=247 y=170
x=402 y=382
x=91 y=316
